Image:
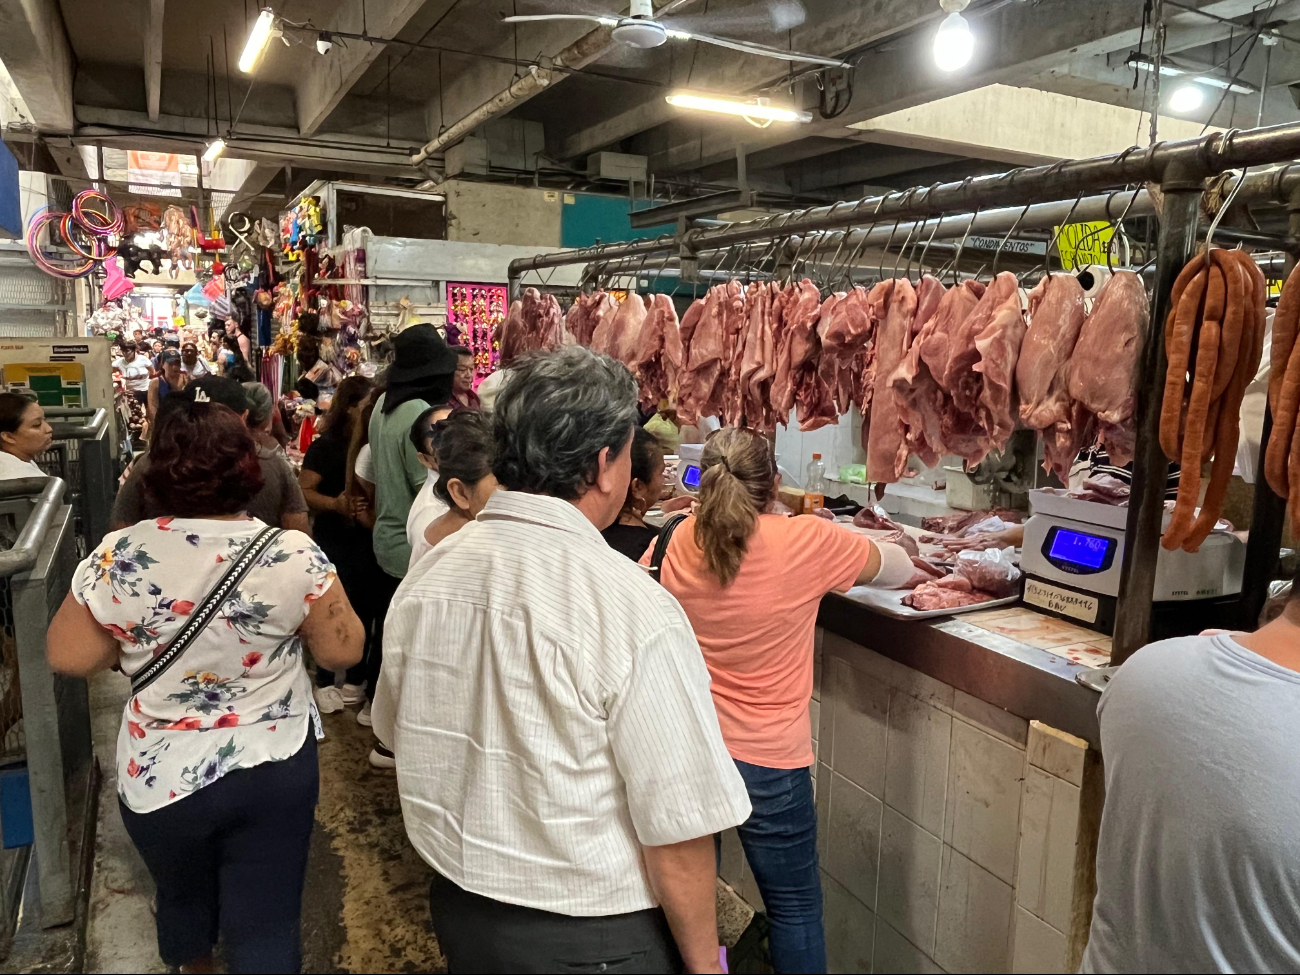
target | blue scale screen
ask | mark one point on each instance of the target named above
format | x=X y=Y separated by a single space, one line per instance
x=691 y=477
x=1079 y=548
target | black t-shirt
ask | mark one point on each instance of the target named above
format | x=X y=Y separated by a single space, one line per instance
x=328 y=457
x=631 y=540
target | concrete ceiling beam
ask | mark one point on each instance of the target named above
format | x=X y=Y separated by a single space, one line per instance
x=35 y=51
x=153 y=56
x=332 y=76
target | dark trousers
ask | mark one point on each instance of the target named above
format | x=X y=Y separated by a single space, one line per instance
x=780 y=842
x=230 y=861
x=478 y=934
x=354 y=560
x=385 y=587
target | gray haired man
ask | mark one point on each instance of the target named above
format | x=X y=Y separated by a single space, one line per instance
x=558 y=753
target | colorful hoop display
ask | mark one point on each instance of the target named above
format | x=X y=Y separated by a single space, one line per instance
x=91 y=231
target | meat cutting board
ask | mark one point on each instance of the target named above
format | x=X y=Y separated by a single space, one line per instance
x=890 y=603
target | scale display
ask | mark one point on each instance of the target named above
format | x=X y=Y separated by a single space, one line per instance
x=1078 y=552
x=691 y=477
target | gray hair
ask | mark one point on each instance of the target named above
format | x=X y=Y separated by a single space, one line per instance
x=553 y=418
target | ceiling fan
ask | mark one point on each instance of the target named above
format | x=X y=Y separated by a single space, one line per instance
x=640 y=29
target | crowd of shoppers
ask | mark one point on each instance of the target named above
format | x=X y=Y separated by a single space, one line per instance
x=571 y=733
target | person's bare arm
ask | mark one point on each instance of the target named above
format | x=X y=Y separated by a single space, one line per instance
x=363 y=510
x=309 y=481
x=332 y=631
x=151 y=406
x=296 y=521
x=682 y=877
x=76 y=644
x=872 y=568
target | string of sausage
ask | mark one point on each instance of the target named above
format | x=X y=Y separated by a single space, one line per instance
x=1214 y=334
x=1284 y=392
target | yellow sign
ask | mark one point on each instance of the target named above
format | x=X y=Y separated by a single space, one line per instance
x=1081 y=244
x=54 y=383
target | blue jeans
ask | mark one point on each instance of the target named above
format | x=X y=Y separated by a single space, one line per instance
x=780 y=842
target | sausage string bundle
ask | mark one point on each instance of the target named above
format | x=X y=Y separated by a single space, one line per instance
x=1214 y=335
x=1282 y=457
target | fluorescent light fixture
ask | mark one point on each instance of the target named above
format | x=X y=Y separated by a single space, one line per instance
x=732 y=106
x=214 y=149
x=1175 y=71
x=257 y=39
x=954 y=44
x=1186 y=98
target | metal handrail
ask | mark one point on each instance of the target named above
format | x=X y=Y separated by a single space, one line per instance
x=23 y=554
x=64 y=429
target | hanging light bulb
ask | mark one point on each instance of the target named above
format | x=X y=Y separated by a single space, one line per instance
x=1186 y=98
x=953 y=43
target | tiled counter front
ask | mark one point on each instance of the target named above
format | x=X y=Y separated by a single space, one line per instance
x=953 y=836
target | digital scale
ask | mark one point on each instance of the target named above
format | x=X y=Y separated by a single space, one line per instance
x=1071 y=560
x=688 y=467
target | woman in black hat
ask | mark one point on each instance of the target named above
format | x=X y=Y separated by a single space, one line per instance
x=420 y=377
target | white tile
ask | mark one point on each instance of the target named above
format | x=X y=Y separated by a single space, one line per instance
x=850 y=929
x=888 y=671
x=1049 y=827
x=894 y=953
x=826 y=709
x=991 y=718
x=916 y=760
x=982 y=816
x=1057 y=752
x=818 y=635
x=973 y=933
x=748 y=889
x=814 y=712
x=908 y=892
x=1039 y=947
x=853 y=839
x=858 y=726
x=731 y=864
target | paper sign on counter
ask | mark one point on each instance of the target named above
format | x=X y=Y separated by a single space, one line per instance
x=1070 y=603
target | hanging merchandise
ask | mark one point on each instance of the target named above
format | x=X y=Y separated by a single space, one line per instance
x=178 y=239
x=474 y=315
x=92 y=231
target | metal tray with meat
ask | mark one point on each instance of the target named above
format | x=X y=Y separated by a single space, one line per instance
x=890 y=602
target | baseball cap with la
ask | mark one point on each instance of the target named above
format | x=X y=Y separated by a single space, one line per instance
x=216 y=389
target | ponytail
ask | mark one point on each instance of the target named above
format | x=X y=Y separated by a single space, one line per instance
x=738 y=484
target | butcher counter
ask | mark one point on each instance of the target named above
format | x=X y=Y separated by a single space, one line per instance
x=958 y=789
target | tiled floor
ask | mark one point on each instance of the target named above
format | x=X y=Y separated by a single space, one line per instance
x=1075 y=643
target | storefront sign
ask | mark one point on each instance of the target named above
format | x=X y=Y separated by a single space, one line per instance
x=1064 y=601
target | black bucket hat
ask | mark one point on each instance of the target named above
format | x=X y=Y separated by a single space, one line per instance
x=419 y=352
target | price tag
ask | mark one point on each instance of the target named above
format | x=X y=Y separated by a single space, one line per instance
x=1064 y=601
x=1081 y=244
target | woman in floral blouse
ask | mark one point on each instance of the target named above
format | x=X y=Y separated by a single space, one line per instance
x=216 y=759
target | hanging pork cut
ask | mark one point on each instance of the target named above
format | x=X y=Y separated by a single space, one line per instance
x=1056 y=315
x=847 y=330
x=707 y=367
x=1103 y=368
x=893 y=304
x=585 y=315
x=535 y=323
x=617 y=334
x=922 y=402
x=657 y=358
x=799 y=347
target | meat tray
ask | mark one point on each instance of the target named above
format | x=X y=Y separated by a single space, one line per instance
x=890 y=602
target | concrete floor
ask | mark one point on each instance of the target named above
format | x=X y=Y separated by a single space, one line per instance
x=366 y=903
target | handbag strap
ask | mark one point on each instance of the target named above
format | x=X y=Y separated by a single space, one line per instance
x=206 y=611
x=661 y=545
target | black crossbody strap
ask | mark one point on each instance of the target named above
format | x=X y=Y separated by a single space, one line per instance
x=661 y=544
x=206 y=611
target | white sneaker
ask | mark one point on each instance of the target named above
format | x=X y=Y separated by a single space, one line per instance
x=381 y=757
x=353 y=693
x=328 y=700
x=363 y=716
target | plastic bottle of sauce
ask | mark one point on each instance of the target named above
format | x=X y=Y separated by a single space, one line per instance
x=814 y=486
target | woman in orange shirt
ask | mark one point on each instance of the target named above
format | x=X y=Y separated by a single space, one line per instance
x=751 y=581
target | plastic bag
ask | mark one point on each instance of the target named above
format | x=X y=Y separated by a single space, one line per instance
x=853 y=474
x=993 y=571
x=990 y=524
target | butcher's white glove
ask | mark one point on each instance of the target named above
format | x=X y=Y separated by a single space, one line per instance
x=896 y=568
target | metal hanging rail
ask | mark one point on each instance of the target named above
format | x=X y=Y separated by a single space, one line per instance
x=1181 y=162
x=1039 y=197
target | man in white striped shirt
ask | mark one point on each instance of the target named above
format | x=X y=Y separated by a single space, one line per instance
x=558 y=753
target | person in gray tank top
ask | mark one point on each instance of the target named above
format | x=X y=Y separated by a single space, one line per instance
x=1198 y=859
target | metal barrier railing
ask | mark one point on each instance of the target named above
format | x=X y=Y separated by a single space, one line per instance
x=83 y=455
x=46 y=756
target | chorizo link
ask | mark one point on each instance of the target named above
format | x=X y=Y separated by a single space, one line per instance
x=1286 y=320
x=1178 y=347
